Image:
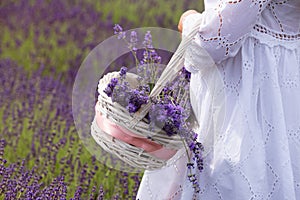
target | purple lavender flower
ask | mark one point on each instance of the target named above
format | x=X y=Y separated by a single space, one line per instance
x=114 y=82
x=136 y=100
x=186 y=74
x=133 y=40
x=121 y=95
x=110 y=87
x=118 y=30
x=145 y=89
x=100 y=193
x=148 y=40
x=131 y=108
x=108 y=91
x=123 y=71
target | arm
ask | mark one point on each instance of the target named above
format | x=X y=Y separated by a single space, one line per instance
x=226 y=25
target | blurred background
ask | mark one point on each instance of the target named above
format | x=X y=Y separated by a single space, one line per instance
x=42 y=45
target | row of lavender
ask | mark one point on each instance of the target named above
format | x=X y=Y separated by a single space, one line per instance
x=60 y=34
x=41 y=156
x=42 y=44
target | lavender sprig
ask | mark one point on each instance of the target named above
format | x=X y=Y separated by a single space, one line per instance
x=110 y=87
x=118 y=30
x=196 y=148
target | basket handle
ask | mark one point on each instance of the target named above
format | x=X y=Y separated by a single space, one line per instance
x=168 y=75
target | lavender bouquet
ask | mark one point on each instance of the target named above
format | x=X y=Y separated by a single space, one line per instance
x=167 y=126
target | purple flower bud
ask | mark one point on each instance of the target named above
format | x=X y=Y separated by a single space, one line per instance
x=123 y=71
x=195 y=136
x=131 y=108
x=133 y=40
x=133 y=37
x=192 y=145
x=117 y=29
x=114 y=82
x=148 y=40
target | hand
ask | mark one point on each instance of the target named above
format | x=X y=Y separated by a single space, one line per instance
x=183 y=16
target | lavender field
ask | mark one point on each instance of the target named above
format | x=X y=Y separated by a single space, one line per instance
x=42 y=45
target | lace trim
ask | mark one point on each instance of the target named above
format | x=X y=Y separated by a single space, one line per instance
x=280 y=36
x=273 y=38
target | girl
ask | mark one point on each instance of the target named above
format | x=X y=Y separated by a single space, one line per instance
x=250 y=124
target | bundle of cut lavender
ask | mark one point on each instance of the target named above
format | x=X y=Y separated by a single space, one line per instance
x=151 y=141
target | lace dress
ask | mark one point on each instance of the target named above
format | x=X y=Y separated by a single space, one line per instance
x=247 y=105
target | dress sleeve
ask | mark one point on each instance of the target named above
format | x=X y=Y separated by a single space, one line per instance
x=166 y=183
x=225 y=25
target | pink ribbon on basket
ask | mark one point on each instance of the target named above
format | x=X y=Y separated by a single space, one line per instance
x=126 y=136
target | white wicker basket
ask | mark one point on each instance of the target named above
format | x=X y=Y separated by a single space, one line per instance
x=132 y=155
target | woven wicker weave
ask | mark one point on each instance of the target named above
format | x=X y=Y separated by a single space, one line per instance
x=119 y=115
x=130 y=154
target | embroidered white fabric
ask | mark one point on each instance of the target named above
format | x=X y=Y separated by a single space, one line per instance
x=252 y=136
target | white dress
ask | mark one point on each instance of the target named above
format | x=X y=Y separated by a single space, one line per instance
x=249 y=111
